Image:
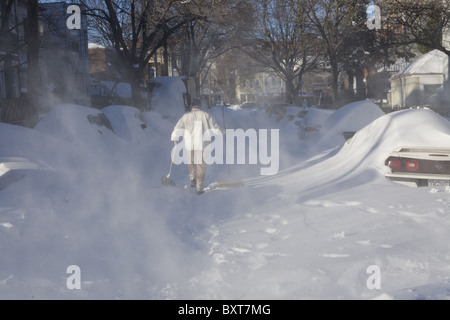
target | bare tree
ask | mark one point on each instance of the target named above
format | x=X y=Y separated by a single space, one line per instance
x=363 y=49
x=201 y=42
x=5 y=10
x=331 y=20
x=288 y=45
x=20 y=38
x=137 y=29
x=227 y=68
x=9 y=45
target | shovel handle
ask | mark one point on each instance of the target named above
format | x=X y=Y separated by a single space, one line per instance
x=170 y=170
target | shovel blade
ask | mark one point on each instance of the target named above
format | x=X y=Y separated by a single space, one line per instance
x=166 y=181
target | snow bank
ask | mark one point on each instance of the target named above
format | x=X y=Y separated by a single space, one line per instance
x=309 y=232
x=72 y=123
x=321 y=224
x=127 y=122
x=36 y=146
x=349 y=118
x=167 y=96
x=362 y=160
x=98 y=205
x=119 y=89
x=313 y=122
x=414 y=127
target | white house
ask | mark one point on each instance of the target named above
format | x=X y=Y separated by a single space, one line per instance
x=420 y=79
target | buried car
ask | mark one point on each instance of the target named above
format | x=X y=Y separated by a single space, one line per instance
x=420 y=166
x=13 y=169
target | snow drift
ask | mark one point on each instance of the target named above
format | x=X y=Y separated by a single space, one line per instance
x=309 y=232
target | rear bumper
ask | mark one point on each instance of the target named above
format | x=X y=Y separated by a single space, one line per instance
x=415 y=180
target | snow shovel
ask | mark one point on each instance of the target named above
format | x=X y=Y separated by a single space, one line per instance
x=165 y=180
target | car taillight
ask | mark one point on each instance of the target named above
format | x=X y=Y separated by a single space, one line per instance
x=394 y=163
x=412 y=165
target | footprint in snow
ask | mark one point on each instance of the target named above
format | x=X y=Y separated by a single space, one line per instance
x=371 y=210
x=364 y=242
x=420 y=218
x=7 y=225
x=335 y=255
x=328 y=203
x=262 y=245
x=270 y=230
x=241 y=250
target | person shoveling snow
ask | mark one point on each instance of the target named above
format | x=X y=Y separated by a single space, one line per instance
x=192 y=126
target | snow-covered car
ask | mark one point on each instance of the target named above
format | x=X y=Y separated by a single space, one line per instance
x=342 y=124
x=417 y=166
x=13 y=169
x=73 y=122
x=126 y=122
x=312 y=122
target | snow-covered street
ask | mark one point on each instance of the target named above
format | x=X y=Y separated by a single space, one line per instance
x=315 y=230
x=200 y=152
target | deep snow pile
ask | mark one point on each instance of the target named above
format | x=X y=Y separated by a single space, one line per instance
x=167 y=96
x=311 y=231
x=360 y=161
x=349 y=118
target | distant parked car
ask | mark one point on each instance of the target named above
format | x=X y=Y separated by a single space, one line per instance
x=285 y=110
x=126 y=122
x=308 y=100
x=249 y=105
x=76 y=123
x=417 y=167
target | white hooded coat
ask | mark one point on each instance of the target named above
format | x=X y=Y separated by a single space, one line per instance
x=197 y=127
